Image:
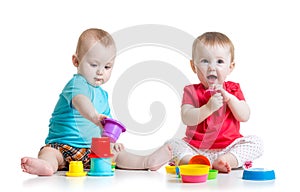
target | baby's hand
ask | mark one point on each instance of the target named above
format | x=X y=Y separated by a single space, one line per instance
x=101 y=117
x=118 y=147
x=225 y=94
x=215 y=102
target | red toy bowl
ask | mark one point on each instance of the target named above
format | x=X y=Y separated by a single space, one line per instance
x=112 y=129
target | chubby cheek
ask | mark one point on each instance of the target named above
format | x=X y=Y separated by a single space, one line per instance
x=202 y=79
x=222 y=74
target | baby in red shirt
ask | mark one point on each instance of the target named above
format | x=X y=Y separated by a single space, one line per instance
x=214 y=108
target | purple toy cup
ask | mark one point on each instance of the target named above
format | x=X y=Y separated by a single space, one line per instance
x=112 y=129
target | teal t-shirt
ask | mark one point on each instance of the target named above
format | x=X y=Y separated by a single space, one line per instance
x=66 y=125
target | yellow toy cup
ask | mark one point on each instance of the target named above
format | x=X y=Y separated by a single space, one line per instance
x=194 y=169
x=171 y=169
x=76 y=169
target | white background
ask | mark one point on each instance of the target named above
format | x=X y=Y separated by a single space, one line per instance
x=38 y=39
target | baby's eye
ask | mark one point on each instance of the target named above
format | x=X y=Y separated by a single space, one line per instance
x=107 y=67
x=93 y=65
x=220 y=61
x=204 y=61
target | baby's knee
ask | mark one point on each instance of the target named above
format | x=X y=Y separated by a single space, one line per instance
x=259 y=144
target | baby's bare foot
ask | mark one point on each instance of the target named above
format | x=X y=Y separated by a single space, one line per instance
x=159 y=158
x=36 y=166
x=221 y=165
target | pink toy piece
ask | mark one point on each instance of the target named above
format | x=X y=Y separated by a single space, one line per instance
x=194 y=178
x=112 y=129
x=208 y=93
x=100 y=148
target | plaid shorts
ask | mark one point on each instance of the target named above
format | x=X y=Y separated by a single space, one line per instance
x=72 y=154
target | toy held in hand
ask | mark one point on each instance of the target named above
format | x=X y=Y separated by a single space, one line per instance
x=112 y=129
x=209 y=92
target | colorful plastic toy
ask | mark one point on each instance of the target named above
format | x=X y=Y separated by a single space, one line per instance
x=113 y=166
x=212 y=174
x=193 y=169
x=208 y=93
x=194 y=178
x=101 y=167
x=101 y=164
x=199 y=159
x=170 y=169
x=258 y=174
x=112 y=129
x=76 y=169
x=194 y=173
x=100 y=148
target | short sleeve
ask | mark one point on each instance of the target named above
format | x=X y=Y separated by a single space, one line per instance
x=77 y=85
x=190 y=96
x=234 y=89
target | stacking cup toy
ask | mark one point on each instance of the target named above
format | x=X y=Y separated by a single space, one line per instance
x=171 y=169
x=101 y=167
x=100 y=155
x=208 y=93
x=258 y=174
x=100 y=148
x=212 y=174
x=194 y=173
x=112 y=129
x=199 y=159
x=76 y=169
x=113 y=166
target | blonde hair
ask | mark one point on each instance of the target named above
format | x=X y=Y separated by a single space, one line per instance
x=213 y=39
x=91 y=36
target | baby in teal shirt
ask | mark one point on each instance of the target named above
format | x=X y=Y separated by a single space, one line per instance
x=81 y=107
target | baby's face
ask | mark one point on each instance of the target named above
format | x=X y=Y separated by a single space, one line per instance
x=96 y=65
x=212 y=64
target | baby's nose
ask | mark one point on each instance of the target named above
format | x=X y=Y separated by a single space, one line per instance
x=100 y=70
x=212 y=66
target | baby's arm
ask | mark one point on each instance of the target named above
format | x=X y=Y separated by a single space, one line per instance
x=193 y=116
x=87 y=110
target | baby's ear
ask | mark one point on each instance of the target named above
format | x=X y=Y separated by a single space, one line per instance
x=231 y=66
x=193 y=66
x=75 y=60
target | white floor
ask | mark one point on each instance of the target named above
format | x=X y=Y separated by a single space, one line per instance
x=155 y=181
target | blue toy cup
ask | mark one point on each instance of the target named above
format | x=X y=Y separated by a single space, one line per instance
x=101 y=167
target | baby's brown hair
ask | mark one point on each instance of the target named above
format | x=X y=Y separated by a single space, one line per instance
x=91 y=36
x=213 y=39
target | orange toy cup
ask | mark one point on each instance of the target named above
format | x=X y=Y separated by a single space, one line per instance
x=199 y=159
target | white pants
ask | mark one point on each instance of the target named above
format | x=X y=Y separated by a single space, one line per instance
x=246 y=148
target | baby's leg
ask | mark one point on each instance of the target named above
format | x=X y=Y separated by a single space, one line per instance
x=182 y=152
x=154 y=161
x=185 y=160
x=225 y=162
x=45 y=165
x=36 y=166
x=158 y=158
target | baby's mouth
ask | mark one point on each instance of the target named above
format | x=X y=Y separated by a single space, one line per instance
x=98 y=80
x=211 y=79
